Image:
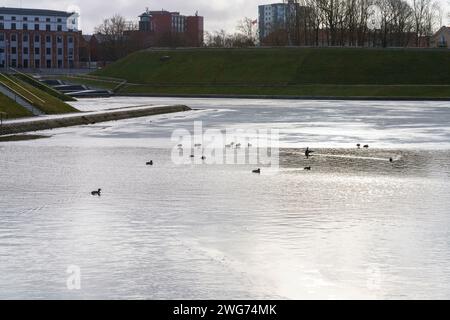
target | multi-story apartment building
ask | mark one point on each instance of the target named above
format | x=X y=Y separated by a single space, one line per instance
x=282 y=19
x=273 y=17
x=36 y=38
x=441 y=39
x=164 y=28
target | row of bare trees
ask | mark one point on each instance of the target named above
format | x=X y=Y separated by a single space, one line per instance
x=246 y=35
x=357 y=23
x=380 y=23
x=113 y=41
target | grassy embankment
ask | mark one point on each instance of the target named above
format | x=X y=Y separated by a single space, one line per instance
x=43 y=87
x=12 y=109
x=312 y=72
x=40 y=99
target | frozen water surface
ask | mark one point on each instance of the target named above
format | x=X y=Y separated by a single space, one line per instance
x=355 y=226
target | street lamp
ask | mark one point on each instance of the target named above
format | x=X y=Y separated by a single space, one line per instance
x=1 y=119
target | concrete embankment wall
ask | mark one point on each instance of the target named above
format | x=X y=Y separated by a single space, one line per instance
x=85 y=119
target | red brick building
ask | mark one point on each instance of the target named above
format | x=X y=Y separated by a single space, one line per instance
x=164 y=28
x=36 y=38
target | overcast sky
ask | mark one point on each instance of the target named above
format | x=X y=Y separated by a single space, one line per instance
x=219 y=14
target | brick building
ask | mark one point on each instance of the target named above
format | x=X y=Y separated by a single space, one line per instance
x=164 y=28
x=37 y=38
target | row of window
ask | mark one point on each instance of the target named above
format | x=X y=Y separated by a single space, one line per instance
x=37 y=38
x=37 y=27
x=37 y=51
x=37 y=63
x=36 y=19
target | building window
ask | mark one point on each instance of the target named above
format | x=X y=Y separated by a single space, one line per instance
x=2 y=37
x=60 y=51
x=49 y=64
x=13 y=26
x=59 y=20
x=59 y=27
x=25 y=38
x=2 y=18
x=14 y=63
x=25 y=63
x=48 y=39
x=25 y=18
x=36 y=19
x=59 y=39
x=25 y=26
x=37 y=39
x=48 y=27
x=36 y=27
x=48 y=51
x=13 y=18
x=70 y=52
x=70 y=39
x=37 y=63
x=25 y=50
x=47 y=19
x=13 y=38
x=13 y=50
x=2 y=26
x=37 y=51
x=60 y=64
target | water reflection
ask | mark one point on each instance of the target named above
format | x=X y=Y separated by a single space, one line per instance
x=355 y=226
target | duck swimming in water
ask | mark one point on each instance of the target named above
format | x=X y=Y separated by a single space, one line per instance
x=308 y=153
x=97 y=193
x=150 y=163
x=258 y=171
x=366 y=146
x=307 y=169
x=358 y=145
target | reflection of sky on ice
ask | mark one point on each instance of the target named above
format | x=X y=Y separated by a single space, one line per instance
x=300 y=123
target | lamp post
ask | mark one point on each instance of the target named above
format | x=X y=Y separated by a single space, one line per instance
x=1 y=120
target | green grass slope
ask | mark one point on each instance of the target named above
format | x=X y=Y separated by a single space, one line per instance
x=43 y=87
x=38 y=98
x=294 y=66
x=12 y=109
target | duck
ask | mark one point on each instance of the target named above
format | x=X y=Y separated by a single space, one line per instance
x=192 y=156
x=203 y=158
x=366 y=146
x=150 y=163
x=257 y=171
x=198 y=145
x=308 y=153
x=97 y=193
x=391 y=160
x=238 y=145
x=358 y=145
x=250 y=145
x=307 y=169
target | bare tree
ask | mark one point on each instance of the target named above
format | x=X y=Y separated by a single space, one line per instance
x=248 y=30
x=114 y=42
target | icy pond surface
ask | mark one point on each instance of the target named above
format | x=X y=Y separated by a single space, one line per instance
x=355 y=226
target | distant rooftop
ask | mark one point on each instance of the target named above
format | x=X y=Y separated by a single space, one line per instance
x=160 y=12
x=35 y=12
